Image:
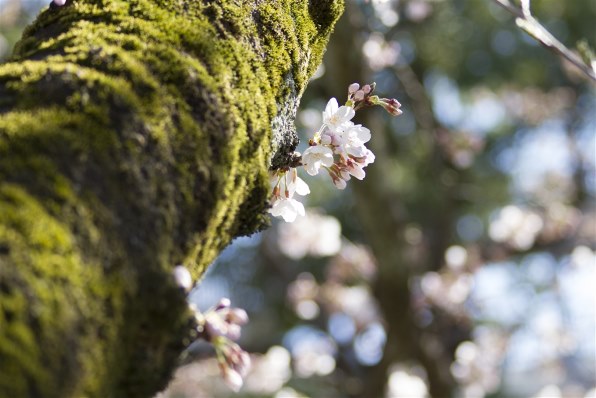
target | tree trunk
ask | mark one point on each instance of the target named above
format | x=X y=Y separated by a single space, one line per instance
x=135 y=135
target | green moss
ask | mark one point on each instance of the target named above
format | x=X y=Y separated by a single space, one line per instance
x=51 y=304
x=135 y=135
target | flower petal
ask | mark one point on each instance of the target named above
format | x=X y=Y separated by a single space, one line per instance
x=315 y=156
x=301 y=187
x=357 y=171
x=330 y=109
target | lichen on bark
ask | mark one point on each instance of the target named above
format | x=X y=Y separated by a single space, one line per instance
x=135 y=135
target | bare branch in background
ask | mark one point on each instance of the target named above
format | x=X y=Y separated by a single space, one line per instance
x=531 y=26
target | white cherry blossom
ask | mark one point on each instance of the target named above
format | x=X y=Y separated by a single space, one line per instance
x=335 y=117
x=296 y=184
x=339 y=146
x=338 y=176
x=339 y=183
x=287 y=208
x=368 y=158
x=301 y=187
x=353 y=140
x=329 y=137
x=283 y=204
x=315 y=157
x=365 y=159
x=355 y=169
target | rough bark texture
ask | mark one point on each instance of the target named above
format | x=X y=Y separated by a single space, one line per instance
x=135 y=135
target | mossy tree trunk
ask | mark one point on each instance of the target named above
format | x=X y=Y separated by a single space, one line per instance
x=135 y=135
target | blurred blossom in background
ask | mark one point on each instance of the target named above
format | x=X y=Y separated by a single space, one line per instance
x=464 y=265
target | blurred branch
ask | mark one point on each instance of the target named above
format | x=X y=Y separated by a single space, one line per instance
x=531 y=26
x=421 y=104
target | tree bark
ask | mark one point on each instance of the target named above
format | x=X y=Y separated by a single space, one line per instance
x=134 y=136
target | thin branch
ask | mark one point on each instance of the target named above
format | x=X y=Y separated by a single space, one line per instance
x=525 y=7
x=531 y=26
x=510 y=7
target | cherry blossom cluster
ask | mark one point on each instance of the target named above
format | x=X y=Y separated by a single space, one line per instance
x=338 y=147
x=286 y=183
x=220 y=326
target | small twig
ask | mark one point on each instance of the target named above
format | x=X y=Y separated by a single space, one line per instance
x=525 y=7
x=531 y=26
x=510 y=7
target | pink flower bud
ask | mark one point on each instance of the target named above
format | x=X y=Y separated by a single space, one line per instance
x=182 y=277
x=243 y=364
x=325 y=139
x=353 y=88
x=233 y=379
x=223 y=303
x=395 y=103
x=233 y=359
x=366 y=89
x=359 y=95
x=394 y=111
x=214 y=328
x=339 y=183
x=232 y=332
x=391 y=105
x=237 y=316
